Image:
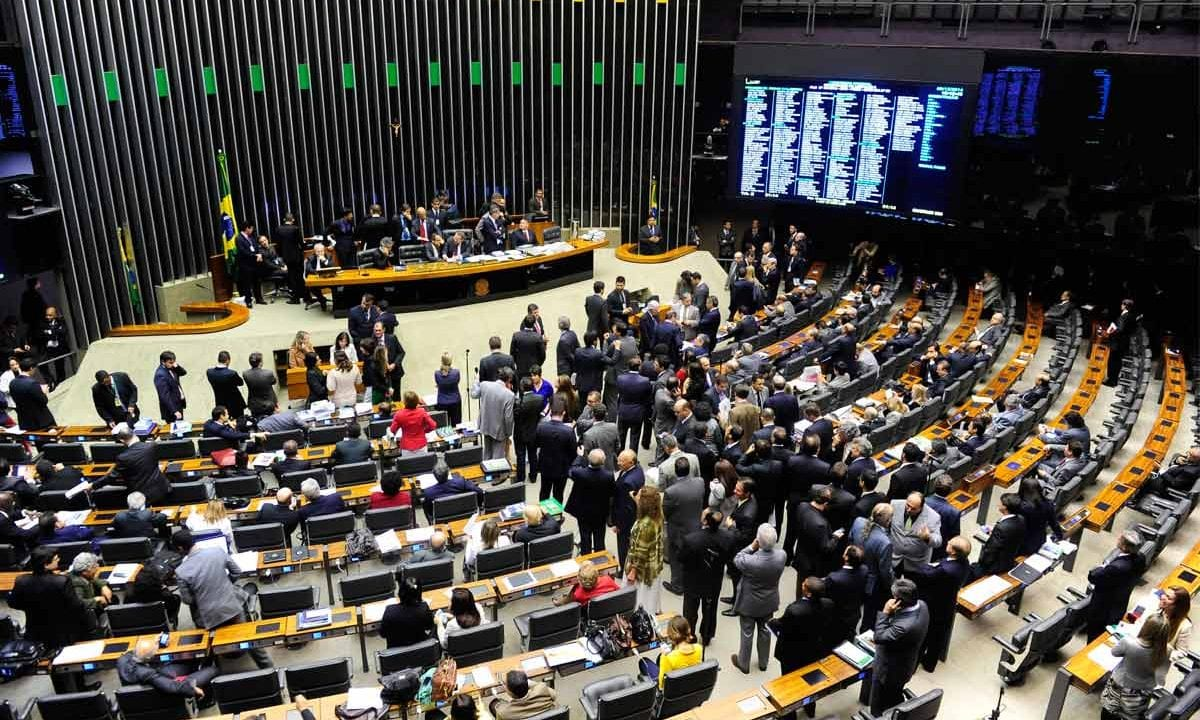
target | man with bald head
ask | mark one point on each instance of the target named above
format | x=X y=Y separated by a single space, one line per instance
x=283 y=511
x=437 y=550
x=682 y=503
x=916 y=530
x=591 y=500
x=140 y=667
x=630 y=479
x=938 y=586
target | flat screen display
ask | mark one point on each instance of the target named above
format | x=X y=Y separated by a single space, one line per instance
x=1008 y=102
x=885 y=147
x=12 y=112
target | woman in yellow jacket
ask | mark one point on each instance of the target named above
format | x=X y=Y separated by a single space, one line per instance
x=684 y=652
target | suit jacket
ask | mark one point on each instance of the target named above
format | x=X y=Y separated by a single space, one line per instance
x=361 y=322
x=635 y=396
x=704 y=554
x=490 y=364
x=492 y=233
x=906 y=546
x=709 y=324
x=324 y=505
x=527 y=349
x=617 y=301
x=877 y=557
x=162 y=677
x=757 y=593
x=260 y=389
x=137 y=469
x=285 y=516
x=313 y=264
x=666 y=468
x=1112 y=584
x=225 y=383
x=521 y=237
x=999 y=553
x=938 y=586
x=589 y=369
x=245 y=248
x=804 y=471
x=10 y=534
x=495 y=409
x=564 y=352
x=898 y=639
x=745 y=523
x=786 y=409
x=741 y=295
x=527 y=411
x=816 y=547
x=951 y=522
x=649 y=240
x=138 y=523
x=205 y=585
x=430 y=227
x=647 y=326
x=620 y=360
x=555 y=442
x=597 y=314
x=848 y=590
x=670 y=334
x=1039 y=521
x=803 y=632
x=624 y=511
x=113 y=401
x=907 y=479
x=682 y=504
x=867 y=502
x=603 y=436
x=54 y=614
x=351 y=450
x=289 y=239
x=591 y=496
x=33 y=412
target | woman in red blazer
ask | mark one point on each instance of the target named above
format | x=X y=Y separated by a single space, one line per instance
x=413 y=421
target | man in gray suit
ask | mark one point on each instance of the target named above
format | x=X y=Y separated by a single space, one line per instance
x=757 y=596
x=667 y=474
x=899 y=634
x=602 y=435
x=496 y=401
x=664 y=410
x=916 y=530
x=205 y=584
x=1072 y=464
x=620 y=350
x=682 y=503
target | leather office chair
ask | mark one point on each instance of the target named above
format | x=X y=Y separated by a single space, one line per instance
x=617 y=602
x=281 y=602
x=686 y=688
x=355 y=473
x=377 y=428
x=463 y=457
x=329 y=528
x=619 y=698
x=55 y=500
x=137 y=619
x=552 y=548
x=126 y=550
x=319 y=679
x=260 y=536
x=479 y=644
x=244 y=691
x=498 y=498
x=432 y=574
x=106 y=452
x=392 y=518
x=1033 y=641
x=142 y=702
x=111 y=497
x=294 y=479
x=68 y=453
x=558 y=713
x=368 y=587
x=548 y=627
x=76 y=706
x=187 y=493
x=242 y=486
x=68 y=550
x=422 y=655
x=177 y=449
x=276 y=440
x=208 y=445
x=499 y=561
x=326 y=435
x=924 y=707
x=408 y=465
x=453 y=507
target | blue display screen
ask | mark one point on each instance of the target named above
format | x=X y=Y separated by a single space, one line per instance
x=888 y=148
x=1008 y=102
x=1101 y=89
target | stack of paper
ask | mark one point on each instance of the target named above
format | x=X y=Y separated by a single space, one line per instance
x=1041 y=563
x=564 y=568
x=247 y=561
x=426 y=481
x=79 y=652
x=533 y=664
x=417 y=535
x=563 y=654
x=121 y=573
x=363 y=408
x=388 y=542
x=980 y=592
x=363 y=698
x=1102 y=656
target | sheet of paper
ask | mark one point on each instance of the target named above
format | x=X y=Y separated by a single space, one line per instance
x=482 y=675
x=984 y=590
x=247 y=561
x=361 y=698
x=1041 y=563
x=1102 y=656
x=563 y=654
x=79 y=652
x=73 y=517
x=363 y=408
x=426 y=481
x=373 y=612
x=533 y=664
x=122 y=572
x=26 y=523
x=751 y=705
x=416 y=535
x=388 y=542
x=563 y=568
x=76 y=490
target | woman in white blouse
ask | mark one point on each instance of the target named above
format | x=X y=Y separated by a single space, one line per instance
x=462 y=615
x=212 y=517
x=1175 y=604
x=489 y=537
x=342 y=380
x=345 y=343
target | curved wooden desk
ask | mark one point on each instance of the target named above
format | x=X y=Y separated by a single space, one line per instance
x=628 y=253
x=230 y=315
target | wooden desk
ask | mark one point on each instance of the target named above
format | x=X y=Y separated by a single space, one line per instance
x=729 y=707
x=546 y=580
x=629 y=253
x=105 y=656
x=484 y=592
x=185 y=645
x=9 y=578
x=408 y=543
x=1081 y=672
x=228 y=315
x=792 y=691
x=972 y=611
x=243 y=636
x=343 y=621
x=424 y=286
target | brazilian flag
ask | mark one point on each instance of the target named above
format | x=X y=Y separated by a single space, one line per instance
x=228 y=222
x=125 y=243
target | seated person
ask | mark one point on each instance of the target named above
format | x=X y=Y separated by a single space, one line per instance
x=138 y=520
x=389 y=493
x=872 y=420
x=1054 y=472
x=316 y=504
x=384 y=256
x=1076 y=430
x=222 y=426
x=291 y=461
x=488 y=537
x=355 y=448
x=409 y=621
x=462 y=614
x=684 y=652
x=527 y=698
x=140 y=666
x=281 y=421
x=976 y=437
x=282 y=511
x=272 y=267
x=437 y=550
x=589 y=585
x=1040 y=389
x=1180 y=476
x=56 y=476
x=537 y=525
x=445 y=486
x=999 y=553
x=52 y=530
x=1011 y=416
x=942 y=455
x=94 y=593
x=213 y=518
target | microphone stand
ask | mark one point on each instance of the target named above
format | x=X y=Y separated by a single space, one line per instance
x=468 y=384
x=995 y=714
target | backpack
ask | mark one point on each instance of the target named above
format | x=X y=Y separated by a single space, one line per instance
x=641 y=627
x=400 y=687
x=360 y=544
x=19 y=657
x=598 y=641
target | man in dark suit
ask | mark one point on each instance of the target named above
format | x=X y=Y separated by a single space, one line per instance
x=54 y=614
x=137 y=469
x=52 y=476
x=635 y=396
x=491 y=230
x=395 y=355
x=803 y=471
x=424 y=230
x=999 y=553
x=912 y=475
x=341 y=232
x=361 y=319
x=842 y=350
x=747 y=325
x=316 y=504
x=373 y=228
x=138 y=520
x=222 y=426
x=710 y=320
x=899 y=634
x=670 y=334
x=355 y=448
x=490 y=364
x=527 y=347
x=869 y=497
x=741 y=293
x=30 y=399
x=1112 y=583
x=754 y=237
x=847 y=588
x=703 y=554
x=10 y=534
x=650 y=241
x=629 y=480
x=555 y=443
x=816 y=545
x=938 y=585
x=291 y=461
x=618 y=300
x=538 y=205
x=803 y=628
x=522 y=235
x=225 y=383
x=319 y=260
x=283 y=511
x=596 y=308
x=115 y=397
x=590 y=501
x=785 y=405
x=171 y=402
x=290 y=242
x=760 y=464
x=743 y=524
x=564 y=350
x=1117 y=337
x=726 y=240
x=950 y=517
x=589 y=363
x=446 y=484
x=260 y=387
x=248 y=257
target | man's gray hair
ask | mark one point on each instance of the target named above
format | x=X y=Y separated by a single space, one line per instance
x=1131 y=540
x=863 y=445
x=84 y=562
x=136 y=500
x=1012 y=402
x=767 y=536
x=310 y=489
x=596 y=457
x=124 y=435
x=564 y=322
x=669 y=441
x=441 y=471
x=746 y=348
x=905 y=591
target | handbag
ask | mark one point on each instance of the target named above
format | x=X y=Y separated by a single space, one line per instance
x=445 y=679
x=641 y=627
x=619 y=632
x=598 y=641
x=399 y=688
x=19 y=657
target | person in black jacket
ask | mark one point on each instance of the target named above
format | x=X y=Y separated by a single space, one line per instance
x=869 y=496
x=410 y=621
x=591 y=500
x=1038 y=513
x=138 y=520
x=803 y=471
x=766 y=472
x=590 y=362
x=282 y=511
x=595 y=306
x=899 y=634
x=1112 y=583
x=527 y=347
x=291 y=461
x=1117 y=337
x=938 y=585
x=564 y=350
x=912 y=475
x=115 y=397
x=554 y=443
x=10 y=534
x=249 y=259
x=635 y=398
x=816 y=545
x=490 y=364
x=225 y=383
x=704 y=554
x=999 y=553
x=260 y=387
x=56 y=476
x=314 y=377
x=27 y=395
x=54 y=614
x=355 y=448
x=137 y=469
x=537 y=525
x=290 y=242
x=527 y=411
x=803 y=628
x=847 y=588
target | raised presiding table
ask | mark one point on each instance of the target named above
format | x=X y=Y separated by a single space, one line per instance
x=424 y=286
